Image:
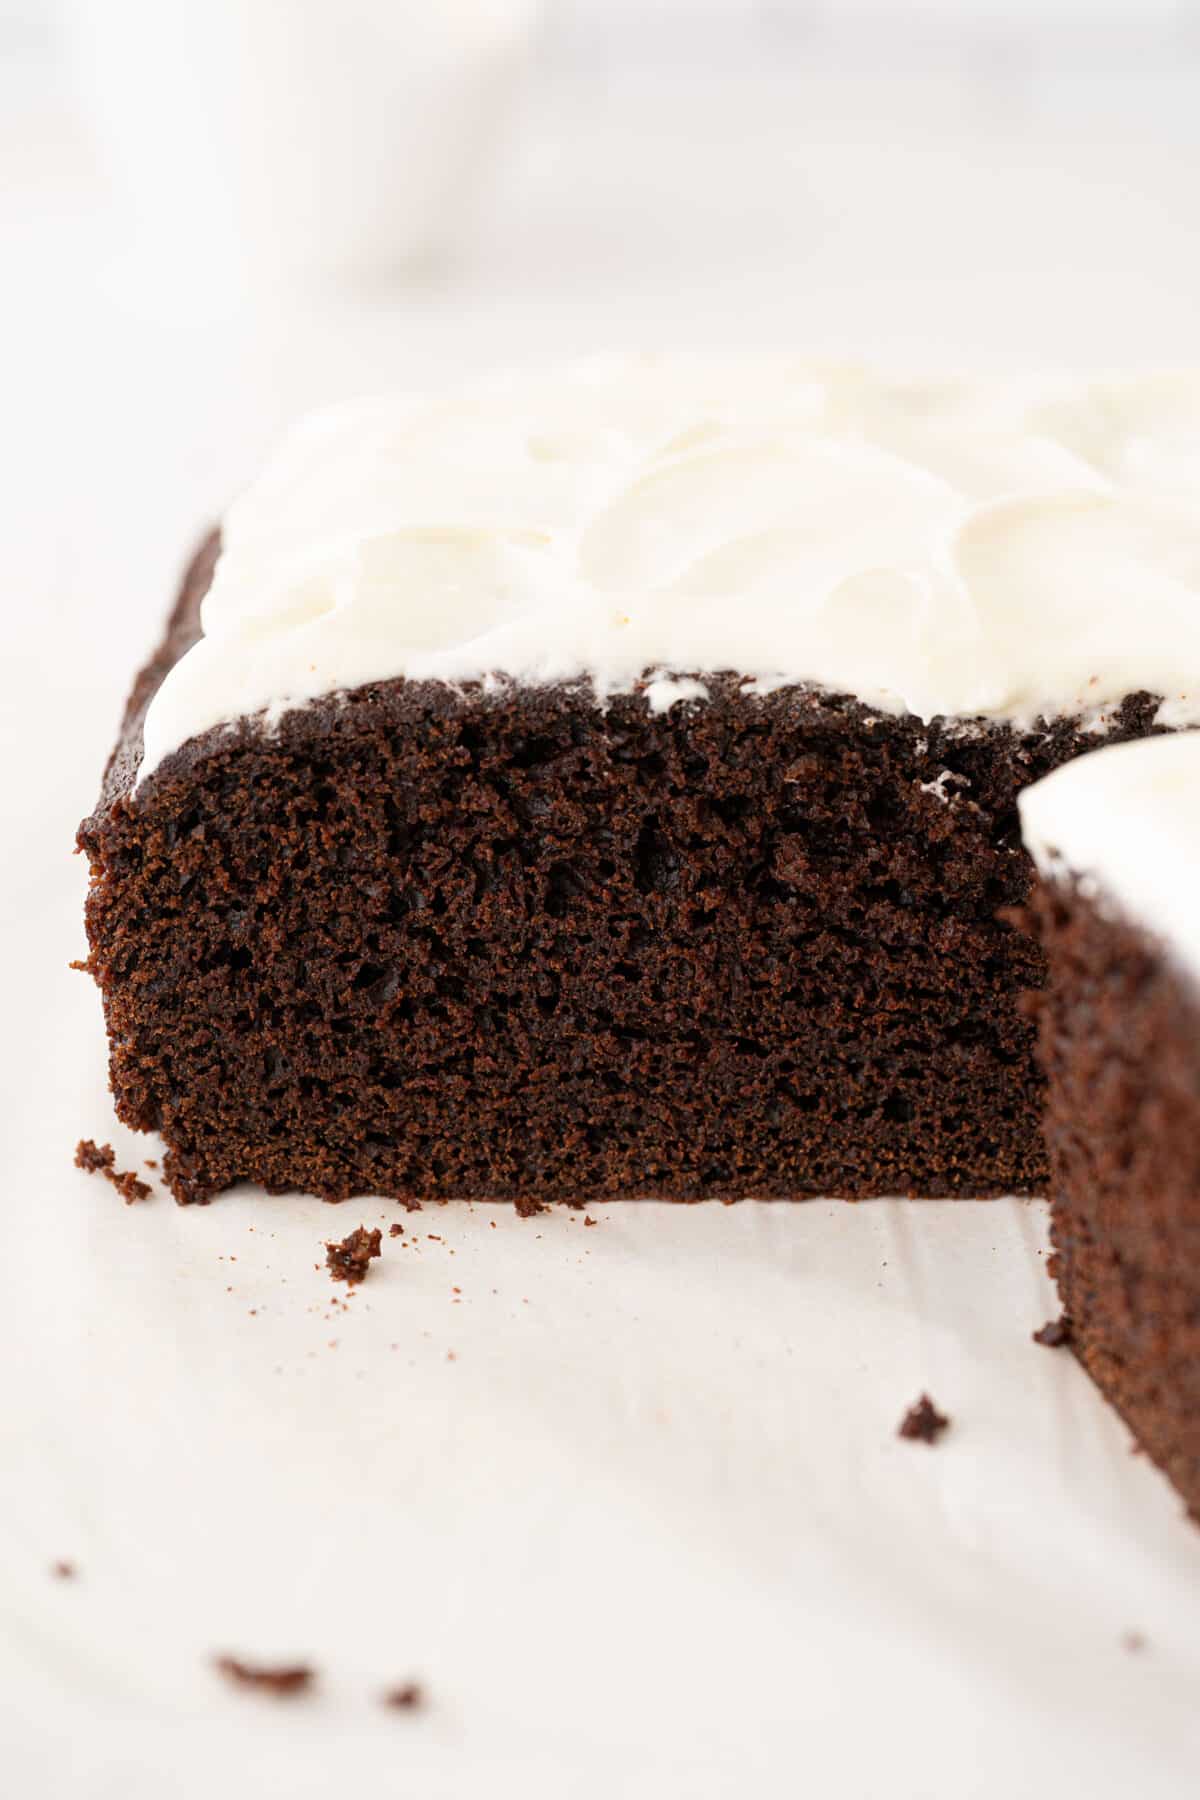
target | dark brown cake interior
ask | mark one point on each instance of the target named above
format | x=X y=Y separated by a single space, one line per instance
x=422 y=941
x=1119 y=1039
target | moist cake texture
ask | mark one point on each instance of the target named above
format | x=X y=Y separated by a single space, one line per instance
x=425 y=941
x=1118 y=839
x=607 y=786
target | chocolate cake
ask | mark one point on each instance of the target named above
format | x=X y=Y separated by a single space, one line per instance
x=1117 y=836
x=605 y=785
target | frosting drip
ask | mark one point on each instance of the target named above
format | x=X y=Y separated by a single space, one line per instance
x=969 y=549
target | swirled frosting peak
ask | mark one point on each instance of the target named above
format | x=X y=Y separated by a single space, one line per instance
x=980 y=550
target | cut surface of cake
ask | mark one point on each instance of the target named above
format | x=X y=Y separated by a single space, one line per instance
x=603 y=783
x=1117 y=839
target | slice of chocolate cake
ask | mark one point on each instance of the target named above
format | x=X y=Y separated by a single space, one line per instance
x=604 y=784
x=1117 y=837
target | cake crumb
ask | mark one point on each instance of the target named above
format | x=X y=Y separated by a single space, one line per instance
x=92 y=1158
x=350 y=1260
x=396 y=1230
x=98 y=1159
x=281 y=1679
x=529 y=1209
x=1055 y=1333
x=588 y=1220
x=923 y=1422
x=129 y=1187
x=406 y=1698
x=63 y=1570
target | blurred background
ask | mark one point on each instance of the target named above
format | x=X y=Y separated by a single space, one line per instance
x=217 y=213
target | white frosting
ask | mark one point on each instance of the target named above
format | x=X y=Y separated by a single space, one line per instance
x=1126 y=821
x=976 y=550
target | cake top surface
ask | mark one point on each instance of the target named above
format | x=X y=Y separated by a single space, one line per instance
x=975 y=549
x=1125 y=821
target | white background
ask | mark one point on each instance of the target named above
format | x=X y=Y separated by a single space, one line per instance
x=650 y=1531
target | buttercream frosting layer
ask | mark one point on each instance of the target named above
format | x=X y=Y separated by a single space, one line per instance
x=1125 y=823
x=972 y=549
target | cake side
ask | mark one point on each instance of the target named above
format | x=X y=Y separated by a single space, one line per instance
x=183 y=630
x=502 y=942
x=1119 y=1042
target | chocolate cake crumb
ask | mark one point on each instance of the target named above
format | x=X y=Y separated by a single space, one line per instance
x=63 y=1570
x=129 y=1187
x=350 y=1260
x=406 y=1698
x=1054 y=1333
x=92 y=1158
x=588 y=1220
x=282 y=1679
x=98 y=1159
x=923 y=1422
x=395 y=1231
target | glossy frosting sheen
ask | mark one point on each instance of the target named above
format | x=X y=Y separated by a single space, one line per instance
x=971 y=549
x=1126 y=821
